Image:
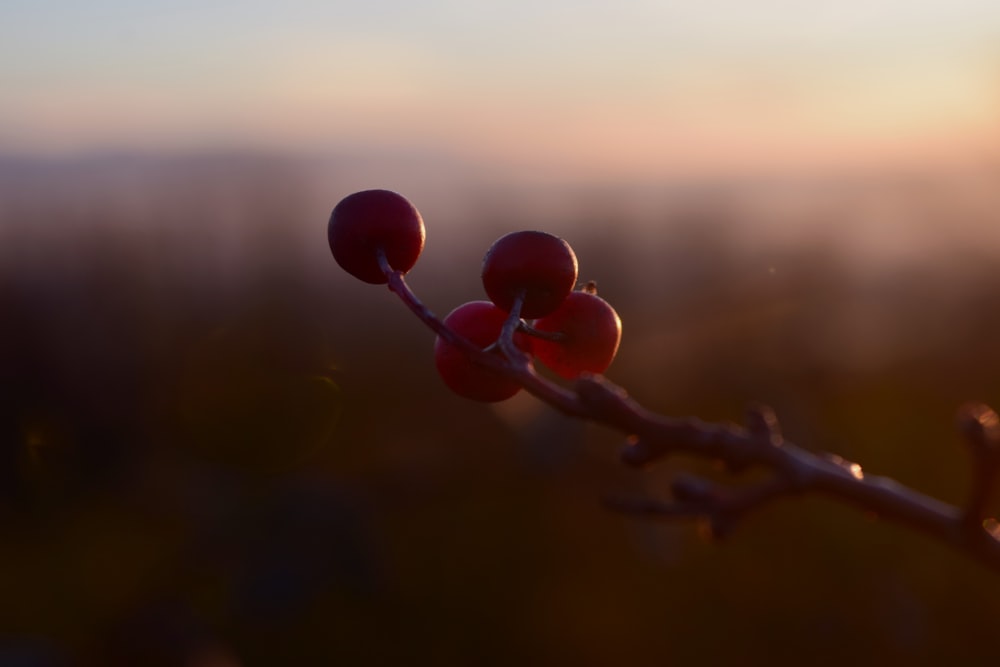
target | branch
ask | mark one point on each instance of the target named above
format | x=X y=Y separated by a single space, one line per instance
x=793 y=470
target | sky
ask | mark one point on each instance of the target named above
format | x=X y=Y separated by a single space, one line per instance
x=600 y=88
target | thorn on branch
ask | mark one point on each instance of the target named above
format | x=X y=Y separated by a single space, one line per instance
x=764 y=430
x=980 y=426
x=850 y=467
x=762 y=424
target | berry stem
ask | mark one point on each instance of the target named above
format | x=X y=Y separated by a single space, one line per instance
x=514 y=362
x=510 y=327
x=554 y=336
x=520 y=366
x=397 y=284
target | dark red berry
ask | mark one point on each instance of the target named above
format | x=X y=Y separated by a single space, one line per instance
x=480 y=323
x=366 y=221
x=541 y=265
x=592 y=331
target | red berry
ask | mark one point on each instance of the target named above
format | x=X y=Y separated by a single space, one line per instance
x=540 y=264
x=371 y=219
x=592 y=331
x=480 y=322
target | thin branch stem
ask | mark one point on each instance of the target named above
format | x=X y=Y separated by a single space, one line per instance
x=652 y=437
x=554 y=336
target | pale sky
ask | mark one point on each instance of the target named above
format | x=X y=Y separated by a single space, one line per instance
x=605 y=87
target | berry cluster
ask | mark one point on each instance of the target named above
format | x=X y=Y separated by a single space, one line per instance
x=484 y=347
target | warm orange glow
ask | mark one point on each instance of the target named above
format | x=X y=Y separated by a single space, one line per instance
x=647 y=91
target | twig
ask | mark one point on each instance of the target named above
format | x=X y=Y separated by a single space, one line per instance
x=793 y=470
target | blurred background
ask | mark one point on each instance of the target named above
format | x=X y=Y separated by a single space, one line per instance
x=218 y=449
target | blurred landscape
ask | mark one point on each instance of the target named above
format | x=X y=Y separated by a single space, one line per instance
x=219 y=449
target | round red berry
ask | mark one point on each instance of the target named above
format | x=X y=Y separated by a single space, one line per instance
x=540 y=265
x=480 y=323
x=366 y=221
x=591 y=331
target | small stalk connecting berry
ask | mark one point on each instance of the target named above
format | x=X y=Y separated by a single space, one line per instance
x=487 y=351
